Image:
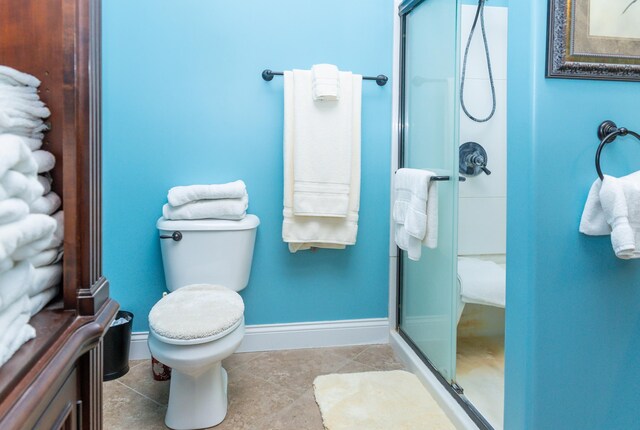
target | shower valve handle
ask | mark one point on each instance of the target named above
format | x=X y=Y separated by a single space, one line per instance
x=473 y=159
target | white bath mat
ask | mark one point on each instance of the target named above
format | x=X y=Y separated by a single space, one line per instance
x=393 y=400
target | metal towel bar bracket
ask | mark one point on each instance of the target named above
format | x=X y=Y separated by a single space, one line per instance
x=381 y=80
x=608 y=131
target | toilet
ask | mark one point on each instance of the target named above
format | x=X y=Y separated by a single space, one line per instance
x=201 y=321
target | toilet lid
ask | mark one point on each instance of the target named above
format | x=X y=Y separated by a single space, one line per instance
x=196 y=311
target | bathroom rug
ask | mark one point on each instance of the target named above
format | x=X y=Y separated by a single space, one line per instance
x=394 y=400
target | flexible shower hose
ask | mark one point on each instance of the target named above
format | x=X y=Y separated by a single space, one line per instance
x=480 y=17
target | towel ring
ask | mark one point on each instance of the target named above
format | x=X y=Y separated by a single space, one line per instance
x=607 y=133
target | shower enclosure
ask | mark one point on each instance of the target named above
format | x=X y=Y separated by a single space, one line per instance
x=429 y=117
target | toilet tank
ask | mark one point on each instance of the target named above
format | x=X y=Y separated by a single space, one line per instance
x=208 y=251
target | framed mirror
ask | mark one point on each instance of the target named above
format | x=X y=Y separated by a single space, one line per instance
x=594 y=39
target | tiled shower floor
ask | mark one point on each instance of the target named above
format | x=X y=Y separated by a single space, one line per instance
x=267 y=390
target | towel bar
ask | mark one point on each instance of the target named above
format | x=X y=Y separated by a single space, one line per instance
x=446 y=178
x=381 y=80
x=608 y=131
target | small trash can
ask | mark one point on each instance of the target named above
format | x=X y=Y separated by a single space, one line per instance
x=116 y=347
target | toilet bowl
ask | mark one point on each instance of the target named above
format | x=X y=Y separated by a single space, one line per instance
x=201 y=322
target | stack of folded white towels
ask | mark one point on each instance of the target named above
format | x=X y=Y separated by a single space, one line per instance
x=216 y=201
x=29 y=236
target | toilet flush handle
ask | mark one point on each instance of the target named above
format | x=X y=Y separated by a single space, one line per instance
x=176 y=235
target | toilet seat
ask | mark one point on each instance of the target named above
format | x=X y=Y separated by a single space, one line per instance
x=195 y=314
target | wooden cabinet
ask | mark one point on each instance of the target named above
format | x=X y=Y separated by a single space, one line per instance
x=55 y=380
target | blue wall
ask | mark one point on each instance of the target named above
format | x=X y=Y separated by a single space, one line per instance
x=573 y=309
x=504 y=3
x=184 y=103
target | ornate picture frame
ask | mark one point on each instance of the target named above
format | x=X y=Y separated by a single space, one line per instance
x=594 y=39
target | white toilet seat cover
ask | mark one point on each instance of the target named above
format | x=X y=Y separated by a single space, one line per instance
x=196 y=311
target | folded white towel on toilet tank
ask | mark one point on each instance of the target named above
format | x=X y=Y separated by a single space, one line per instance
x=178 y=196
x=231 y=209
x=613 y=207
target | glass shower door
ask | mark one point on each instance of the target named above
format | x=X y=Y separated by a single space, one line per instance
x=428 y=287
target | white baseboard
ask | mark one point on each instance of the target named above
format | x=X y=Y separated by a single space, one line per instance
x=138 y=349
x=273 y=337
x=449 y=405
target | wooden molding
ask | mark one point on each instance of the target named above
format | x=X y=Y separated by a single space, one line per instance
x=25 y=401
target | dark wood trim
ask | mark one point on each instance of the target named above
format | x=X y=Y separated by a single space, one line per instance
x=90 y=369
x=58 y=41
x=92 y=299
x=29 y=397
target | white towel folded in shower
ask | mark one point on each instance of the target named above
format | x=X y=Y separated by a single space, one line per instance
x=26 y=237
x=39 y=301
x=45 y=160
x=482 y=282
x=325 y=82
x=232 y=209
x=47 y=204
x=15 y=155
x=323 y=144
x=22 y=334
x=16 y=184
x=613 y=207
x=305 y=232
x=186 y=194
x=15 y=283
x=12 y=209
x=415 y=211
x=44 y=278
x=13 y=77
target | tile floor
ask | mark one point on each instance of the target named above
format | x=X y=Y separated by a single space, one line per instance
x=480 y=372
x=267 y=390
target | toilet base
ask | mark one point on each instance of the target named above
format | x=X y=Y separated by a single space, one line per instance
x=197 y=401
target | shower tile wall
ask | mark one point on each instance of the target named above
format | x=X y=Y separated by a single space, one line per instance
x=483 y=199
